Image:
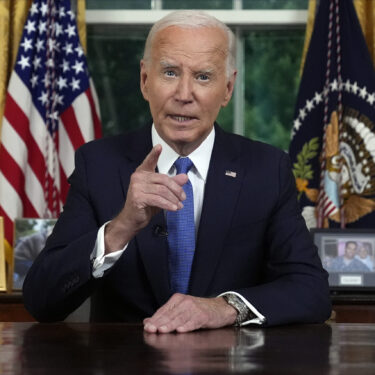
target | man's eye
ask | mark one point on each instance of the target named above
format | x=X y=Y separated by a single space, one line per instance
x=169 y=73
x=203 y=77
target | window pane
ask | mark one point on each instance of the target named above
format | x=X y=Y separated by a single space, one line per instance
x=113 y=56
x=275 y=4
x=118 y=4
x=272 y=63
x=197 y=4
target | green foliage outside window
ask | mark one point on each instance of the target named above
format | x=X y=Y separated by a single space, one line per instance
x=272 y=63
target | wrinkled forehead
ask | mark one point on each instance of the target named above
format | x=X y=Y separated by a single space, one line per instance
x=190 y=41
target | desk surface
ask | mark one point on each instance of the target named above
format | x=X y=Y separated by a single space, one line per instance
x=32 y=348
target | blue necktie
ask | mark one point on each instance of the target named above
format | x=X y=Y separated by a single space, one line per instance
x=181 y=235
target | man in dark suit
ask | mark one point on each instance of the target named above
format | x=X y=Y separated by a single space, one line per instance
x=253 y=260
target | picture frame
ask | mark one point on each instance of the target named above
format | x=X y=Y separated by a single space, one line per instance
x=3 y=284
x=30 y=236
x=348 y=255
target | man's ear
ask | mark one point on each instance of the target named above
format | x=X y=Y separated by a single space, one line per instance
x=229 y=89
x=143 y=79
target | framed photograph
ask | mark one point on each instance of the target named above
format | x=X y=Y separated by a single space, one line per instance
x=3 y=285
x=30 y=236
x=348 y=255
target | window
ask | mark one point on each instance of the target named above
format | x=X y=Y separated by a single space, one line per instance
x=270 y=36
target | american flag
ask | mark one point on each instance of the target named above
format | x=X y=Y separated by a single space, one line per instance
x=50 y=111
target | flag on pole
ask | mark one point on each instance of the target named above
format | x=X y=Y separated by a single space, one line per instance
x=333 y=140
x=50 y=110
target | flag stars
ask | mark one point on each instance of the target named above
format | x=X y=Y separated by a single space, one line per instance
x=302 y=113
x=61 y=82
x=54 y=115
x=43 y=9
x=34 y=9
x=30 y=26
x=363 y=92
x=62 y=12
x=347 y=86
x=50 y=63
x=79 y=50
x=36 y=62
x=71 y=14
x=297 y=124
x=24 y=62
x=78 y=67
x=58 y=29
x=43 y=97
x=334 y=85
x=309 y=105
x=39 y=45
x=371 y=98
x=52 y=45
x=34 y=80
x=75 y=84
x=58 y=99
x=318 y=98
x=42 y=27
x=65 y=66
x=46 y=80
x=70 y=31
x=355 y=88
x=27 y=44
x=68 y=48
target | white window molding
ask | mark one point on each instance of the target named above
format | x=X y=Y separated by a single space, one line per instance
x=235 y=18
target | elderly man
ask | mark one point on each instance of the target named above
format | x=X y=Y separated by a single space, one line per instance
x=181 y=225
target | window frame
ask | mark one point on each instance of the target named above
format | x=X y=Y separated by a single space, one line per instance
x=239 y=20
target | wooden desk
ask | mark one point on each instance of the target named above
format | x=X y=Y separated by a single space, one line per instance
x=346 y=310
x=32 y=348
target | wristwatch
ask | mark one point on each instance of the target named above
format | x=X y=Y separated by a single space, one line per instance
x=244 y=313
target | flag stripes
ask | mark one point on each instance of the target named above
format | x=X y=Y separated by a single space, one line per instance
x=50 y=111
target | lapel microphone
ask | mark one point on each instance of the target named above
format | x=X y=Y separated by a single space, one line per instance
x=159 y=231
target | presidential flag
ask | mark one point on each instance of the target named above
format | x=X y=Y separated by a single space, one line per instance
x=50 y=111
x=333 y=140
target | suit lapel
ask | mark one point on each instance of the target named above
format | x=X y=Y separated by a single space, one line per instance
x=153 y=247
x=222 y=188
x=151 y=241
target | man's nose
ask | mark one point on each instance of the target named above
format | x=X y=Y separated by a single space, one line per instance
x=184 y=90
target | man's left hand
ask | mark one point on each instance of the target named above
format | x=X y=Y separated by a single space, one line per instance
x=184 y=313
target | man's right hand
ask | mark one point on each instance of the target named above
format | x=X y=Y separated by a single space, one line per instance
x=148 y=193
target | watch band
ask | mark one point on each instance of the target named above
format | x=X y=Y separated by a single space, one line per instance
x=244 y=313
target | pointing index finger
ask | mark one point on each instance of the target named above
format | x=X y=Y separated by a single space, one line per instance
x=151 y=160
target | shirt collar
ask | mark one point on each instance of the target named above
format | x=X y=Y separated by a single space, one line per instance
x=200 y=156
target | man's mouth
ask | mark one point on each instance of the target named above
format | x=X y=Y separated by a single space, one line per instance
x=182 y=118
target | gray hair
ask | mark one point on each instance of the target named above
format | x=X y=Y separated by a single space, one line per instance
x=193 y=19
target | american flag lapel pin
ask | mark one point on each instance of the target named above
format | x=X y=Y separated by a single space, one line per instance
x=231 y=174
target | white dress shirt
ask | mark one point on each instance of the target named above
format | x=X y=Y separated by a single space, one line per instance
x=197 y=175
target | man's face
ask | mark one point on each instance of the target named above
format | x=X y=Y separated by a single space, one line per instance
x=185 y=83
x=363 y=252
x=350 y=250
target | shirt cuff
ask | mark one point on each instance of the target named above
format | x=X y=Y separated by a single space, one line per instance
x=259 y=318
x=100 y=261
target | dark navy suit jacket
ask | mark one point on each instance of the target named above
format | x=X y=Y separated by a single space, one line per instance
x=251 y=238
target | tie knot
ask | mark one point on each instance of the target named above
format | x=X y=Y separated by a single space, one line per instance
x=183 y=165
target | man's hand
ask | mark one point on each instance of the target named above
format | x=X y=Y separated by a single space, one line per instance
x=148 y=193
x=184 y=313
